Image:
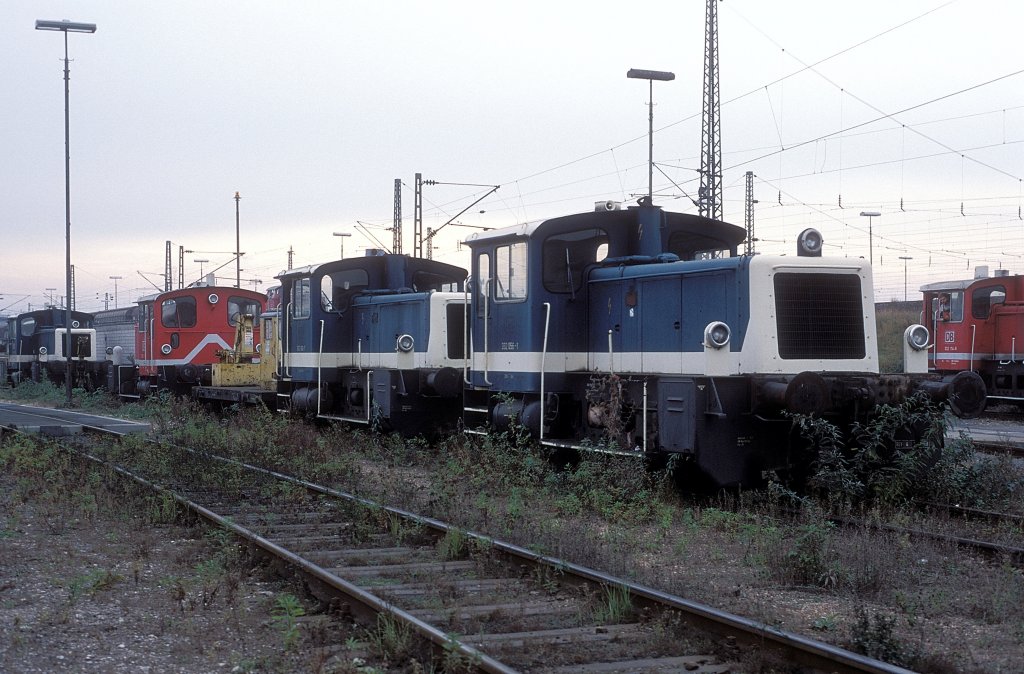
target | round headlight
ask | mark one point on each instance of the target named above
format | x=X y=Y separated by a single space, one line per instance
x=214 y=298
x=43 y=351
x=165 y=349
x=405 y=343
x=716 y=335
x=75 y=324
x=809 y=243
x=917 y=337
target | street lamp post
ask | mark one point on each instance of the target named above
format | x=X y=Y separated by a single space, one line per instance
x=238 y=245
x=201 y=262
x=650 y=76
x=342 y=235
x=871 y=215
x=115 y=279
x=905 y=260
x=67 y=27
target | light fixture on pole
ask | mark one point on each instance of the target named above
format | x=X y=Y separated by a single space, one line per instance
x=115 y=279
x=650 y=76
x=342 y=235
x=905 y=260
x=67 y=27
x=238 y=246
x=201 y=262
x=871 y=215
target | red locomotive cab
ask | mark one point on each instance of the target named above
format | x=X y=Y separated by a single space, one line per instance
x=180 y=332
x=979 y=325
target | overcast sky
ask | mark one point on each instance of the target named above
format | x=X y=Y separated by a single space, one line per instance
x=311 y=110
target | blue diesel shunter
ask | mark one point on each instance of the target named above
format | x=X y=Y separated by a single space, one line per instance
x=37 y=343
x=377 y=340
x=643 y=331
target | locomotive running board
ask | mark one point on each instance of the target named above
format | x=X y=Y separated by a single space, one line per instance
x=586 y=448
x=351 y=420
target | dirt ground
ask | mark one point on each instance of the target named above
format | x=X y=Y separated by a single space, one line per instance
x=111 y=594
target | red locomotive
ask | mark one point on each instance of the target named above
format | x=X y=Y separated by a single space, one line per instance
x=979 y=326
x=177 y=337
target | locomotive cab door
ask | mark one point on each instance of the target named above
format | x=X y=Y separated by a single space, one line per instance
x=502 y=323
x=298 y=328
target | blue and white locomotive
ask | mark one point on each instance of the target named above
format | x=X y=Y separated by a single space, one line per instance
x=377 y=340
x=37 y=347
x=644 y=330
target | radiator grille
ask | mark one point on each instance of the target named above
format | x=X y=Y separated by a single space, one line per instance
x=819 y=316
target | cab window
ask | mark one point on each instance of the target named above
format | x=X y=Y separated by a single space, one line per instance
x=984 y=299
x=510 y=272
x=480 y=281
x=145 y=314
x=565 y=256
x=178 y=313
x=28 y=326
x=239 y=306
x=299 y=299
x=949 y=306
x=336 y=289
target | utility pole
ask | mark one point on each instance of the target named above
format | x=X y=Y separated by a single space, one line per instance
x=238 y=246
x=710 y=195
x=396 y=230
x=905 y=260
x=290 y=254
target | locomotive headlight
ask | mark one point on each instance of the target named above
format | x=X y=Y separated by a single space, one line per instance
x=75 y=324
x=42 y=351
x=809 y=243
x=405 y=343
x=213 y=298
x=917 y=337
x=716 y=335
x=165 y=349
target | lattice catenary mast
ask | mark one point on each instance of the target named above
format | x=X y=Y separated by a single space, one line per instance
x=710 y=195
x=748 y=213
x=396 y=230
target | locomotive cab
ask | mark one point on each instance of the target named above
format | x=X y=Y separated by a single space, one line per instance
x=979 y=327
x=179 y=333
x=377 y=340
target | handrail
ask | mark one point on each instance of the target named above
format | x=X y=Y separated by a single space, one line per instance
x=286 y=359
x=465 y=335
x=369 y=391
x=543 y=359
x=611 y=355
x=645 y=416
x=487 y=330
x=974 y=330
x=319 y=366
x=359 y=354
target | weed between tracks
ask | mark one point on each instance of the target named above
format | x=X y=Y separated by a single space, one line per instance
x=924 y=605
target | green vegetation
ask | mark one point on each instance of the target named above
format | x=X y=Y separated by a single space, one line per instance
x=890 y=321
x=603 y=511
x=286 y=612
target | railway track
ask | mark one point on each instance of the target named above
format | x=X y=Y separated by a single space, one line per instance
x=480 y=604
